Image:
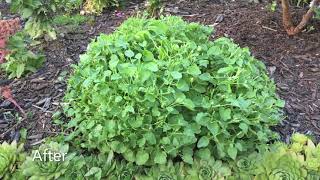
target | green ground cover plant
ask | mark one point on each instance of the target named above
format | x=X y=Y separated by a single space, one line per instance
x=159 y=89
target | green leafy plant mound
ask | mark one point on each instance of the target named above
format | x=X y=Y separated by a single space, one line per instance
x=158 y=89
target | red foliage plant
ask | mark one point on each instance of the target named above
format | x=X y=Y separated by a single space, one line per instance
x=7 y=29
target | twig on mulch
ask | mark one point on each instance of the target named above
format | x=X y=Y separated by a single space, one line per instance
x=37 y=142
x=53 y=132
x=265 y=27
x=284 y=66
x=192 y=15
x=12 y=127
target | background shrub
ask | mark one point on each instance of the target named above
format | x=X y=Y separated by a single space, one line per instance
x=97 y=6
x=158 y=89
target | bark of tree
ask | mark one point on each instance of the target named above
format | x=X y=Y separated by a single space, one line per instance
x=287 y=20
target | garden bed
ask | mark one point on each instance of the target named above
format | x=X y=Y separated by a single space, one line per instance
x=293 y=62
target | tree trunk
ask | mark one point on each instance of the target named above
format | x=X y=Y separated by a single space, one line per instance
x=287 y=20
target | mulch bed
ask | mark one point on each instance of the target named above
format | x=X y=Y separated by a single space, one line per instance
x=293 y=63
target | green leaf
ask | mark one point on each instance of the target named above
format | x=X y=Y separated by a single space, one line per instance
x=232 y=152
x=20 y=70
x=26 y=12
x=141 y=142
x=182 y=85
x=205 y=77
x=187 y=154
x=189 y=104
x=129 y=53
x=115 y=77
x=176 y=75
x=147 y=55
x=145 y=75
x=136 y=123
x=225 y=70
x=280 y=103
x=129 y=156
x=202 y=118
x=160 y=157
x=203 y=153
x=142 y=157
x=127 y=69
x=118 y=99
x=110 y=125
x=244 y=127
x=151 y=138
x=114 y=60
x=152 y=66
x=225 y=114
x=93 y=171
x=138 y=56
x=203 y=142
x=213 y=128
x=193 y=70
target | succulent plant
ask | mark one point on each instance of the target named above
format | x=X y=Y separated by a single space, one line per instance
x=280 y=162
x=207 y=169
x=168 y=171
x=124 y=171
x=245 y=166
x=42 y=166
x=313 y=175
x=10 y=156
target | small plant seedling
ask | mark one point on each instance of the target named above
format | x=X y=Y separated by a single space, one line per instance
x=272 y=6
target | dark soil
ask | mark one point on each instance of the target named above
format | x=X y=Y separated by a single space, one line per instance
x=293 y=63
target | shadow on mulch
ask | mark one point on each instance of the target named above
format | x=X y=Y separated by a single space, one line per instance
x=293 y=63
